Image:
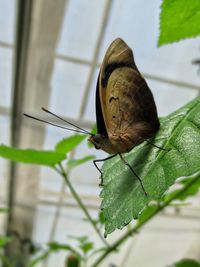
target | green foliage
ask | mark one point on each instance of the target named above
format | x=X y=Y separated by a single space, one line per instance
x=186 y=263
x=193 y=190
x=68 y=144
x=179 y=19
x=49 y=158
x=4 y=210
x=80 y=252
x=72 y=163
x=72 y=261
x=4 y=240
x=39 y=259
x=42 y=157
x=123 y=197
x=84 y=243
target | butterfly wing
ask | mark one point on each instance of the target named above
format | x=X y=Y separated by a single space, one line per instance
x=101 y=128
x=128 y=110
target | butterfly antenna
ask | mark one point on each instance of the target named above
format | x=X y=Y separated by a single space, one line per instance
x=70 y=123
x=56 y=125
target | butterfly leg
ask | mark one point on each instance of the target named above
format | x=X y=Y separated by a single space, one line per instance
x=161 y=148
x=100 y=160
x=127 y=164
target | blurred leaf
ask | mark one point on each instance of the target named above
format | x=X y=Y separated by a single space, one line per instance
x=4 y=240
x=4 y=210
x=5 y=261
x=193 y=190
x=54 y=246
x=86 y=247
x=73 y=261
x=72 y=163
x=186 y=263
x=58 y=246
x=84 y=244
x=80 y=239
x=49 y=158
x=123 y=197
x=39 y=259
x=101 y=217
x=68 y=144
x=179 y=19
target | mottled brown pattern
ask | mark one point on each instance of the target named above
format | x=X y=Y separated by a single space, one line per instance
x=127 y=113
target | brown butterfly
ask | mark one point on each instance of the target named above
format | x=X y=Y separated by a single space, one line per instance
x=126 y=113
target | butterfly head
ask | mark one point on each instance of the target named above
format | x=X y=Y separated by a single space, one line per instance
x=101 y=142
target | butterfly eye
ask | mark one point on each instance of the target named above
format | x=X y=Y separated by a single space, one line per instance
x=97 y=146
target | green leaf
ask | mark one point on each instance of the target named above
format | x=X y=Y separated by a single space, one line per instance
x=193 y=190
x=54 y=246
x=5 y=261
x=68 y=144
x=73 y=261
x=4 y=240
x=123 y=197
x=179 y=19
x=4 y=210
x=186 y=263
x=146 y=213
x=39 y=259
x=72 y=163
x=86 y=247
x=58 y=246
x=101 y=217
x=84 y=244
x=49 y=158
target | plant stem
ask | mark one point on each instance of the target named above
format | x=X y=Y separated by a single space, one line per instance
x=139 y=225
x=80 y=203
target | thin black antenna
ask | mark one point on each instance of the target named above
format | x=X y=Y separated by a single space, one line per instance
x=70 y=123
x=56 y=125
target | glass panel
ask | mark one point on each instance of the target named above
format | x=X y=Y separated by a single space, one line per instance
x=68 y=84
x=7 y=20
x=81 y=27
x=170 y=97
x=6 y=57
x=139 y=27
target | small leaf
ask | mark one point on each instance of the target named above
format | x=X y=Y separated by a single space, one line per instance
x=101 y=217
x=193 y=190
x=4 y=240
x=68 y=144
x=4 y=210
x=86 y=246
x=73 y=261
x=72 y=163
x=57 y=246
x=49 y=158
x=39 y=259
x=179 y=19
x=54 y=246
x=123 y=197
x=186 y=263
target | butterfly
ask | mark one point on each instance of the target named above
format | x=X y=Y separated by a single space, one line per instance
x=126 y=113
